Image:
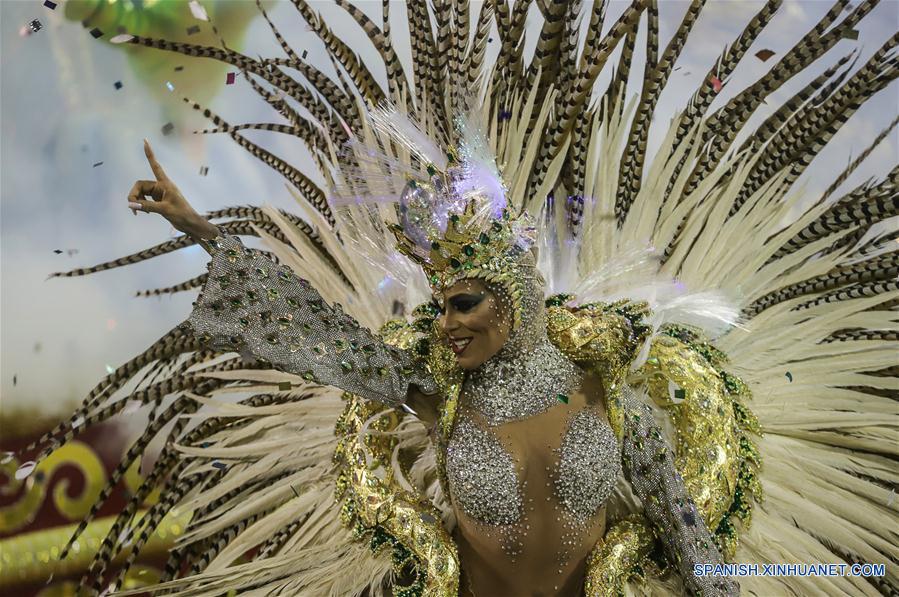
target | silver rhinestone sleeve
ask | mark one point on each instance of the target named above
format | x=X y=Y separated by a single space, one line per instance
x=253 y=306
x=649 y=467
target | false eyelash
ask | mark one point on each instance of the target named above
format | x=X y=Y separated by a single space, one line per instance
x=467 y=305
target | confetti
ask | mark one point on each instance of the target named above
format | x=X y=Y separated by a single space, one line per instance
x=57 y=251
x=121 y=38
x=49 y=4
x=284 y=385
x=170 y=86
x=35 y=25
x=204 y=170
x=790 y=376
x=96 y=33
x=98 y=164
x=229 y=79
x=305 y=53
x=13 y=380
x=764 y=55
x=25 y=470
x=178 y=69
x=676 y=68
x=193 y=29
x=489 y=40
x=118 y=84
x=716 y=83
x=505 y=115
x=167 y=128
x=850 y=34
x=198 y=11
x=219 y=465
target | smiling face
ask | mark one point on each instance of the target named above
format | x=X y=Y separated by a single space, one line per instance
x=476 y=322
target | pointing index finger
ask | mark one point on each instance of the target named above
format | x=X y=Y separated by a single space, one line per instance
x=158 y=172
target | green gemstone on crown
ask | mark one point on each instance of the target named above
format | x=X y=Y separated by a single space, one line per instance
x=562 y=398
x=484 y=239
x=468 y=250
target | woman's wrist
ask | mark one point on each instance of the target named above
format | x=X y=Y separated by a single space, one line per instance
x=202 y=231
x=202 y=228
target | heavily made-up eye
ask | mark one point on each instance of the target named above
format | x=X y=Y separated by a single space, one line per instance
x=465 y=302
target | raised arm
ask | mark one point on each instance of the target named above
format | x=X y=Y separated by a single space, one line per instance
x=251 y=305
x=649 y=467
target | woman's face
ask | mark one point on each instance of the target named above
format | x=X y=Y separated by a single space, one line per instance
x=476 y=322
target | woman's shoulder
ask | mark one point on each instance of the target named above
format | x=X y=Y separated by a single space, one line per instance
x=601 y=338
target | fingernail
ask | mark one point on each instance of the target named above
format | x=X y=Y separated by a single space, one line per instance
x=133 y=205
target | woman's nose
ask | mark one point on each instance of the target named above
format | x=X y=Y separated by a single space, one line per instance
x=447 y=323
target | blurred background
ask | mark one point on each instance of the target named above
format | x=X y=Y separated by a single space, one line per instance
x=72 y=148
x=74 y=109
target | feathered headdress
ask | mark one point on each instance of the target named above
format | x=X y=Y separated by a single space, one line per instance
x=454 y=220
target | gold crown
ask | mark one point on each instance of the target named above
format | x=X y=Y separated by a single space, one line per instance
x=465 y=251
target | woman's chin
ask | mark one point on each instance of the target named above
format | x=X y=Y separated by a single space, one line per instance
x=466 y=362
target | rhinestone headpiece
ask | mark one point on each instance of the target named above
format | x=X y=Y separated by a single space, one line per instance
x=495 y=254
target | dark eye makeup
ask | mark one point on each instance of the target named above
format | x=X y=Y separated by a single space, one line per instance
x=465 y=302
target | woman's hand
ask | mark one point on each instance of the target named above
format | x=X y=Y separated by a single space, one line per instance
x=167 y=201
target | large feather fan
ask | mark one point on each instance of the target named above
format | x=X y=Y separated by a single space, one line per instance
x=817 y=297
